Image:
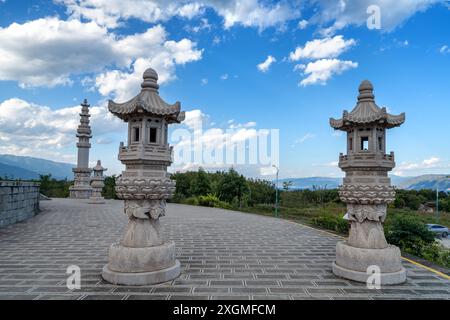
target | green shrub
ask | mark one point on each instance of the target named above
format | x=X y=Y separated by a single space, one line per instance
x=211 y=200
x=332 y=222
x=437 y=253
x=193 y=201
x=408 y=233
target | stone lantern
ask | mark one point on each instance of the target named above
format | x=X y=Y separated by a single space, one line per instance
x=82 y=173
x=97 y=184
x=143 y=256
x=367 y=191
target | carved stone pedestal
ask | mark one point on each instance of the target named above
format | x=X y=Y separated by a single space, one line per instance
x=143 y=256
x=81 y=188
x=366 y=250
x=353 y=263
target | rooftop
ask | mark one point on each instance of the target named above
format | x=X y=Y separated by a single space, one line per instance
x=148 y=101
x=366 y=112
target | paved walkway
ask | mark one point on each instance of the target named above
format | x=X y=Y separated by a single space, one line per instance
x=224 y=255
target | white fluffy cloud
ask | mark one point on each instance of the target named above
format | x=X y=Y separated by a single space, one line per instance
x=322 y=48
x=249 y=13
x=324 y=52
x=35 y=130
x=162 y=55
x=410 y=168
x=335 y=15
x=265 y=66
x=444 y=49
x=321 y=70
x=48 y=51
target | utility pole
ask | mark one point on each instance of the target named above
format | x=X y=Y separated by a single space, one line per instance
x=276 y=191
x=437 y=203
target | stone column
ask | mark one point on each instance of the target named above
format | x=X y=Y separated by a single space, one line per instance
x=82 y=173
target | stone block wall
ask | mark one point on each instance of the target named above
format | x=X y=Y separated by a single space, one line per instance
x=18 y=201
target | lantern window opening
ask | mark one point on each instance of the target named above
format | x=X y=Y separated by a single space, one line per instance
x=136 y=134
x=153 y=137
x=364 y=143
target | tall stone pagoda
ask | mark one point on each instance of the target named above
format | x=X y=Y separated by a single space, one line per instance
x=143 y=256
x=82 y=188
x=367 y=191
x=97 y=184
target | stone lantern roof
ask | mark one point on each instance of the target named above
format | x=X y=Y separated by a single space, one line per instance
x=367 y=112
x=148 y=101
x=99 y=166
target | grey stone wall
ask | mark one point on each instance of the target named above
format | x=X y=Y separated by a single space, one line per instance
x=18 y=201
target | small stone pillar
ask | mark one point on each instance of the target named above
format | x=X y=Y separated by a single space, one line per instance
x=97 y=184
x=367 y=191
x=82 y=173
x=143 y=256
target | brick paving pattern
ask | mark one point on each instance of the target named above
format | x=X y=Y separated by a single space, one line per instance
x=223 y=254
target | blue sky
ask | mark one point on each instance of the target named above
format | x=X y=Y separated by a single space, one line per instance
x=53 y=54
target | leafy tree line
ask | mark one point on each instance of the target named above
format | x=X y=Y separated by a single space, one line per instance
x=412 y=199
x=229 y=187
x=237 y=191
x=54 y=188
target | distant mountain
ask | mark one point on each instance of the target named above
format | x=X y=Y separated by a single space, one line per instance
x=29 y=168
x=430 y=181
x=12 y=172
x=310 y=183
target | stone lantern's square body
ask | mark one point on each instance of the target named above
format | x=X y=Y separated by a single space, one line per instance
x=367 y=191
x=143 y=256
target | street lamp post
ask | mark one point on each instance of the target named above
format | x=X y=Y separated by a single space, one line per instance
x=276 y=191
x=437 y=203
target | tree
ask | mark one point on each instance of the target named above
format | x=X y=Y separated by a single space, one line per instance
x=200 y=186
x=260 y=191
x=53 y=188
x=233 y=185
x=109 y=190
x=287 y=185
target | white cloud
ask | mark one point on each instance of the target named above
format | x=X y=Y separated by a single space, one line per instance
x=204 y=81
x=248 y=13
x=47 y=52
x=304 y=138
x=204 y=25
x=163 y=56
x=322 y=48
x=224 y=76
x=444 y=49
x=335 y=15
x=318 y=72
x=432 y=163
x=35 y=130
x=254 y=13
x=302 y=24
x=110 y=13
x=195 y=119
x=265 y=66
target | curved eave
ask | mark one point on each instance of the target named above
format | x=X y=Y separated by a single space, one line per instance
x=385 y=119
x=145 y=103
